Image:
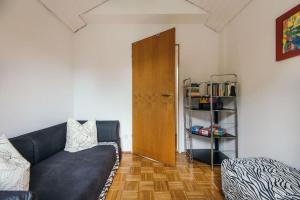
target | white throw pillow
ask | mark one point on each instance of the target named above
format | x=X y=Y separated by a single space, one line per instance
x=14 y=169
x=81 y=137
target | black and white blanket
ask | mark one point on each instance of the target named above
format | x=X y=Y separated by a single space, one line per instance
x=259 y=179
x=113 y=171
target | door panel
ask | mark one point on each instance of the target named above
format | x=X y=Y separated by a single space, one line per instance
x=154 y=110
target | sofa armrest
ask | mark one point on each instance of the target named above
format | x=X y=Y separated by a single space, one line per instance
x=17 y=195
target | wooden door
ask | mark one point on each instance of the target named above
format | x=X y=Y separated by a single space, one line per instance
x=153 y=85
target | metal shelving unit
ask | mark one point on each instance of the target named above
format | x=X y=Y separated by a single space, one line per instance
x=218 y=150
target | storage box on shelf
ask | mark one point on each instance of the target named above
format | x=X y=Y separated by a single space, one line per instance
x=217 y=98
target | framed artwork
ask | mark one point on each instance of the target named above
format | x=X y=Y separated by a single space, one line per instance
x=288 y=34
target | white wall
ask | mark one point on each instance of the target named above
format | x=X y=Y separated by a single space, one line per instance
x=36 y=76
x=35 y=68
x=270 y=91
x=102 y=60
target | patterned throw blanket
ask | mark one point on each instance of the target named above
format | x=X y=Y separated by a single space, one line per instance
x=113 y=171
x=259 y=179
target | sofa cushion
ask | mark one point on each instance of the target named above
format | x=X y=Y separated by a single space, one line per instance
x=81 y=136
x=76 y=176
x=108 y=131
x=14 y=168
x=48 y=141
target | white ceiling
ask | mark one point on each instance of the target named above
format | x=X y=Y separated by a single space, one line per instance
x=220 y=12
x=76 y=14
x=146 y=7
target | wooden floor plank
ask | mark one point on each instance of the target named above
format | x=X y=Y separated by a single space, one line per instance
x=143 y=179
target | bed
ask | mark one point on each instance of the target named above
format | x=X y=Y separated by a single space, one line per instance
x=259 y=179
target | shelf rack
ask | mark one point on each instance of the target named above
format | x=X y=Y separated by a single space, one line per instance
x=214 y=155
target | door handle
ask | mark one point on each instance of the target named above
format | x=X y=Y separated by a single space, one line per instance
x=166 y=94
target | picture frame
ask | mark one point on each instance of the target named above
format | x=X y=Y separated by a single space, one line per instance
x=288 y=34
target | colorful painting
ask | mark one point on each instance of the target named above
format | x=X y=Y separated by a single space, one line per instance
x=291 y=33
x=288 y=34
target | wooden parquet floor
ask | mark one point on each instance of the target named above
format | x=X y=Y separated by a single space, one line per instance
x=143 y=179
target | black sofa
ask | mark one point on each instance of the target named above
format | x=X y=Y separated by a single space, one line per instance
x=59 y=175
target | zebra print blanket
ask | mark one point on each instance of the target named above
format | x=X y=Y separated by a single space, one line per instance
x=259 y=179
x=113 y=171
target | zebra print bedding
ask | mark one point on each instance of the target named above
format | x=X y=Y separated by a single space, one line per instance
x=259 y=179
x=113 y=171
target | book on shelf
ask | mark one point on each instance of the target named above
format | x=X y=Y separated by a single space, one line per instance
x=221 y=89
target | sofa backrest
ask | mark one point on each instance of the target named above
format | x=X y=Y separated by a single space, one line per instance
x=48 y=141
x=41 y=144
x=107 y=131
